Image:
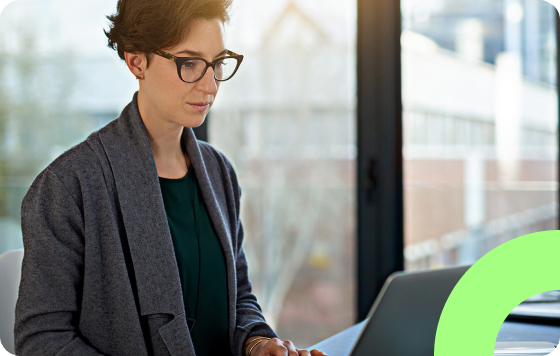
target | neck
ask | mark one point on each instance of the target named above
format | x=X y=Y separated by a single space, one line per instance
x=165 y=139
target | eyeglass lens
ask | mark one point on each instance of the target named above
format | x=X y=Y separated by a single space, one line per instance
x=191 y=70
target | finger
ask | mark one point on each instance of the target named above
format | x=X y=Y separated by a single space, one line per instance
x=275 y=347
x=316 y=352
x=304 y=353
x=292 y=350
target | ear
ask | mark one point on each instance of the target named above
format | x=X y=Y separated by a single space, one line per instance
x=136 y=63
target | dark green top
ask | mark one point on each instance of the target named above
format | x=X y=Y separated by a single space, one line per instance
x=210 y=332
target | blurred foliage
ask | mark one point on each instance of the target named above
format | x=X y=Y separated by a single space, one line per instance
x=38 y=120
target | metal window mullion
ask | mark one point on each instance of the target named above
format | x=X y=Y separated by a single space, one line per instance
x=379 y=139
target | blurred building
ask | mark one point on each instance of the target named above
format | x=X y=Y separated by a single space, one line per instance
x=480 y=133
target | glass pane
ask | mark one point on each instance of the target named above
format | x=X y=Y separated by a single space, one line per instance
x=480 y=126
x=58 y=83
x=287 y=122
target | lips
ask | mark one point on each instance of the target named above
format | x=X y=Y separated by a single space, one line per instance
x=200 y=106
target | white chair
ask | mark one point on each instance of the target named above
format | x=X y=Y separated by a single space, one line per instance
x=10 y=274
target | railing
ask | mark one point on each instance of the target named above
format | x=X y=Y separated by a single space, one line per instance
x=467 y=246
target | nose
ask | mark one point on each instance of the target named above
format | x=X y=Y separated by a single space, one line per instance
x=207 y=83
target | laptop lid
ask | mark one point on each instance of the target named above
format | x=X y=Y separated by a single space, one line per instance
x=404 y=317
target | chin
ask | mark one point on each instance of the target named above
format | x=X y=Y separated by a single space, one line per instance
x=196 y=121
x=191 y=119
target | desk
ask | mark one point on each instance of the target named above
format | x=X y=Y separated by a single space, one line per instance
x=532 y=322
x=341 y=343
x=523 y=331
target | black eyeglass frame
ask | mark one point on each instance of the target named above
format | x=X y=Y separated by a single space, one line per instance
x=180 y=60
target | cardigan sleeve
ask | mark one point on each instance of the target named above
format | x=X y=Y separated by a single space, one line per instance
x=52 y=271
x=249 y=318
x=250 y=321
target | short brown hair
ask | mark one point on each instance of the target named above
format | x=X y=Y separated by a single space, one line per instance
x=147 y=25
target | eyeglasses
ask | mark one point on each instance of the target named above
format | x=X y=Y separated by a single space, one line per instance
x=192 y=69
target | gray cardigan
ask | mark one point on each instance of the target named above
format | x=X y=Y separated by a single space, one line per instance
x=99 y=273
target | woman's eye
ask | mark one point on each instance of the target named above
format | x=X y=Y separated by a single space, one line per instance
x=189 y=64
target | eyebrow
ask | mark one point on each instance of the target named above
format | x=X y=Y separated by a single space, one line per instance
x=198 y=54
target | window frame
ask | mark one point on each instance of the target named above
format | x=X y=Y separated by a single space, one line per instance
x=380 y=209
x=380 y=233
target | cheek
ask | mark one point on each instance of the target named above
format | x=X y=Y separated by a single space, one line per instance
x=165 y=80
x=188 y=92
x=174 y=91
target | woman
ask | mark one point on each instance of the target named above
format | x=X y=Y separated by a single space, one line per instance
x=132 y=238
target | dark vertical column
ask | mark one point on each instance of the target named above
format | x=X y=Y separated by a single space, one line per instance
x=201 y=132
x=380 y=182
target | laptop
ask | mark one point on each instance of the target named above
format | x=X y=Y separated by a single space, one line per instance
x=404 y=317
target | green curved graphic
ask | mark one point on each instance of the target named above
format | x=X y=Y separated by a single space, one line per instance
x=556 y=4
x=491 y=288
x=2 y=4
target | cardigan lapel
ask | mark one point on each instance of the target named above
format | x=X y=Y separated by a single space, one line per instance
x=128 y=149
x=211 y=186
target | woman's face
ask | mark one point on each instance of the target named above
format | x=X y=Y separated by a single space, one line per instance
x=166 y=96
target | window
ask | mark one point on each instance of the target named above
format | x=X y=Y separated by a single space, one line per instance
x=480 y=117
x=287 y=121
x=58 y=83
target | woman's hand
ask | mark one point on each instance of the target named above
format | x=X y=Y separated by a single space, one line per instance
x=277 y=347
